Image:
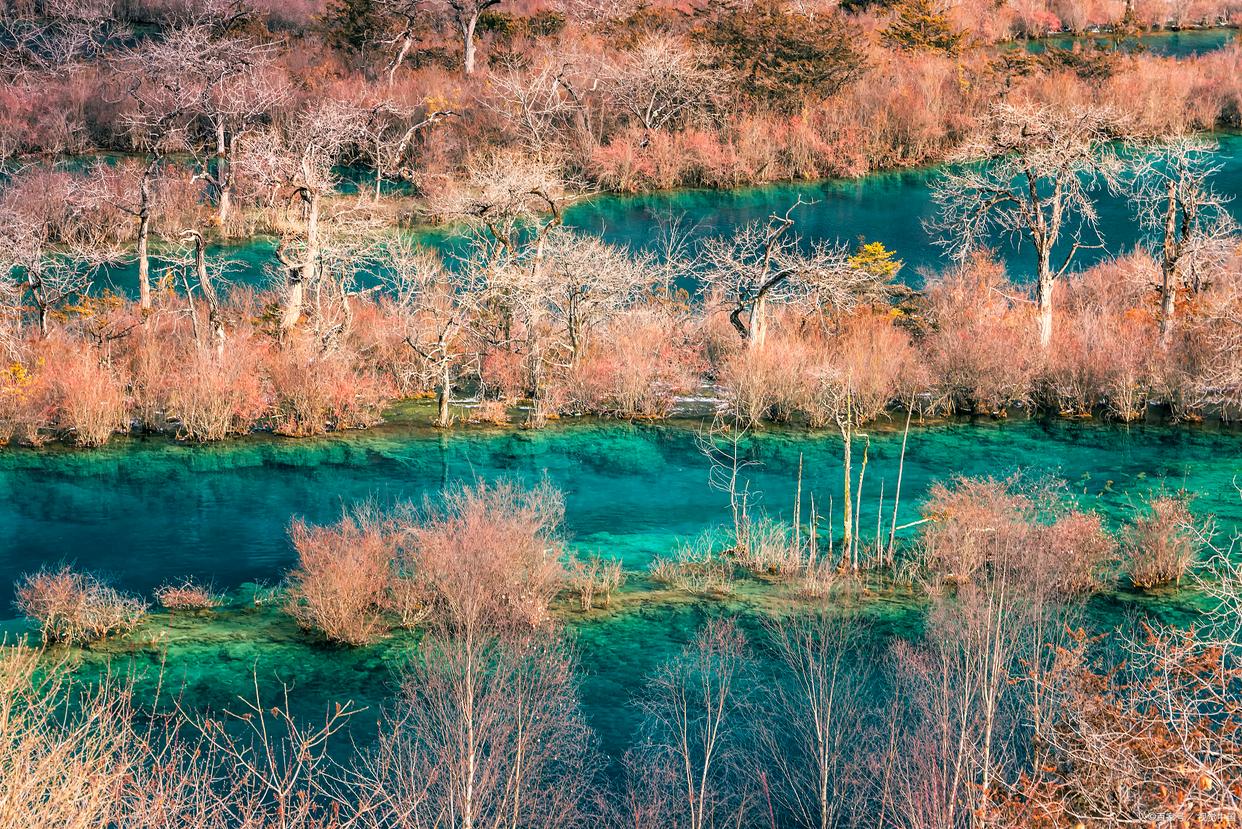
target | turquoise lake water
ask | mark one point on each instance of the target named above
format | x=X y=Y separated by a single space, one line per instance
x=149 y=510
x=1170 y=44
x=887 y=207
x=143 y=511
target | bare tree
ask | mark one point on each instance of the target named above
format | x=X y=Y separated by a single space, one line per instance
x=510 y=199
x=49 y=37
x=205 y=276
x=662 y=83
x=1190 y=225
x=168 y=86
x=1030 y=171
x=582 y=282
x=243 y=89
x=488 y=733
x=815 y=732
x=465 y=16
x=537 y=102
x=54 y=234
x=438 y=304
x=695 y=714
x=724 y=444
x=391 y=132
x=404 y=23
x=765 y=264
x=297 y=160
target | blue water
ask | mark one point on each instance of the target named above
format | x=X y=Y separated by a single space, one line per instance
x=147 y=511
x=891 y=208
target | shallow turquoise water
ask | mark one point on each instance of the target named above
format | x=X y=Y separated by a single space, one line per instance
x=150 y=510
x=1168 y=44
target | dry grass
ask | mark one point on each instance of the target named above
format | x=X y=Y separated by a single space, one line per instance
x=187 y=594
x=593 y=579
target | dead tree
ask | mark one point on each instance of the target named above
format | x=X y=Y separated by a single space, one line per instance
x=296 y=159
x=696 y=711
x=464 y=15
x=1030 y=172
x=662 y=83
x=762 y=265
x=1190 y=226
x=438 y=305
x=54 y=234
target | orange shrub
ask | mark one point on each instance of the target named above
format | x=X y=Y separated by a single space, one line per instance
x=89 y=397
x=340 y=584
x=214 y=397
x=187 y=595
x=76 y=608
x=316 y=391
x=982 y=352
x=637 y=367
x=27 y=407
x=490 y=553
x=1161 y=543
x=981 y=527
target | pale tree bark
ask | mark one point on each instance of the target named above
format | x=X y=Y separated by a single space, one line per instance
x=1041 y=164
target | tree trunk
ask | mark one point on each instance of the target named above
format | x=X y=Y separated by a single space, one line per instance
x=467 y=29
x=224 y=175
x=758 y=323
x=303 y=276
x=1168 y=267
x=214 y=317
x=1045 y=285
x=444 y=419
x=847 y=433
x=144 y=234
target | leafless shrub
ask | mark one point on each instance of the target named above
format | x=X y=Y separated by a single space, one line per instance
x=76 y=608
x=982 y=527
x=490 y=553
x=594 y=578
x=66 y=751
x=1161 y=542
x=187 y=594
x=767 y=548
x=339 y=586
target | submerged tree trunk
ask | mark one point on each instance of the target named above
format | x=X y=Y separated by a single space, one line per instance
x=444 y=419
